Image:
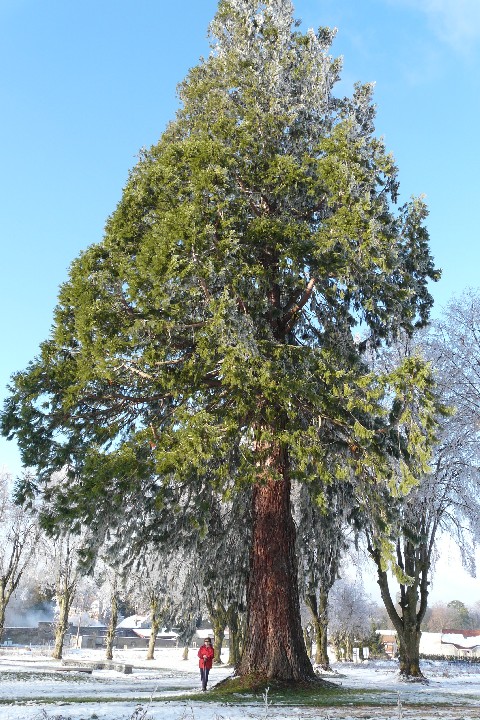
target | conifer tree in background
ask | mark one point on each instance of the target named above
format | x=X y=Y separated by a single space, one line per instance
x=211 y=336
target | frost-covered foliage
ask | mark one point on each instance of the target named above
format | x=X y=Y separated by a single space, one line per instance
x=350 y=619
x=446 y=498
x=19 y=533
x=224 y=562
x=62 y=553
x=258 y=36
x=323 y=516
x=205 y=576
x=85 y=606
x=152 y=579
x=453 y=348
x=106 y=578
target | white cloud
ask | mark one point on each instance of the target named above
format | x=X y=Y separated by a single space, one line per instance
x=456 y=22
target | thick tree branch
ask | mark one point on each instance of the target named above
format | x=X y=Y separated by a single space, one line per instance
x=289 y=317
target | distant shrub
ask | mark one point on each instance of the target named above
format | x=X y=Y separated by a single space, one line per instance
x=472 y=659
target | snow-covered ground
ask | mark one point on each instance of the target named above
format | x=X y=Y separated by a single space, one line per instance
x=33 y=688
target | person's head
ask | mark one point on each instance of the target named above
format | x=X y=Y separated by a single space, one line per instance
x=207 y=641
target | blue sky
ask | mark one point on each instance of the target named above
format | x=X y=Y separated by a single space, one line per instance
x=85 y=84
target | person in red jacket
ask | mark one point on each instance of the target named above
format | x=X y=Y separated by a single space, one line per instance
x=205 y=661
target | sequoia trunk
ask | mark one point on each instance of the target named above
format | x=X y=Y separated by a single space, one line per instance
x=274 y=646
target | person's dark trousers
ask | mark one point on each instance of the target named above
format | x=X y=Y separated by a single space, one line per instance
x=204 y=676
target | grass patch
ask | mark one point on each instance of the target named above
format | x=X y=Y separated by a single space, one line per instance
x=277 y=696
x=320 y=691
x=281 y=695
x=314 y=697
x=61 y=700
x=34 y=676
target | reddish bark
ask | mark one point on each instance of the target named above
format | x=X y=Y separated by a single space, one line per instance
x=274 y=646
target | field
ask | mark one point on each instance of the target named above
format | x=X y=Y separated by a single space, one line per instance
x=35 y=687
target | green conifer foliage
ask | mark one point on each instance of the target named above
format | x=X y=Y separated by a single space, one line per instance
x=209 y=341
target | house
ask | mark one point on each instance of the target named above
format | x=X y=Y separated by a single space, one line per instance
x=135 y=630
x=453 y=643
x=388 y=638
x=461 y=643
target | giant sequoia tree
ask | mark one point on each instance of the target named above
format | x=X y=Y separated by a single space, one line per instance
x=210 y=338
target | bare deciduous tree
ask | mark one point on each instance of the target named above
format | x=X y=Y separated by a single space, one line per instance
x=18 y=538
x=446 y=499
x=63 y=554
x=350 y=616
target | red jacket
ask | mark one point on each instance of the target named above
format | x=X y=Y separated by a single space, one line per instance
x=206 y=650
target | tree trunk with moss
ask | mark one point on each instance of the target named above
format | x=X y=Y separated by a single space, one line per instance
x=234 y=637
x=61 y=626
x=218 y=638
x=155 y=626
x=413 y=561
x=321 y=657
x=112 y=625
x=409 y=654
x=3 y=605
x=218 y=618
x=319 y=615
